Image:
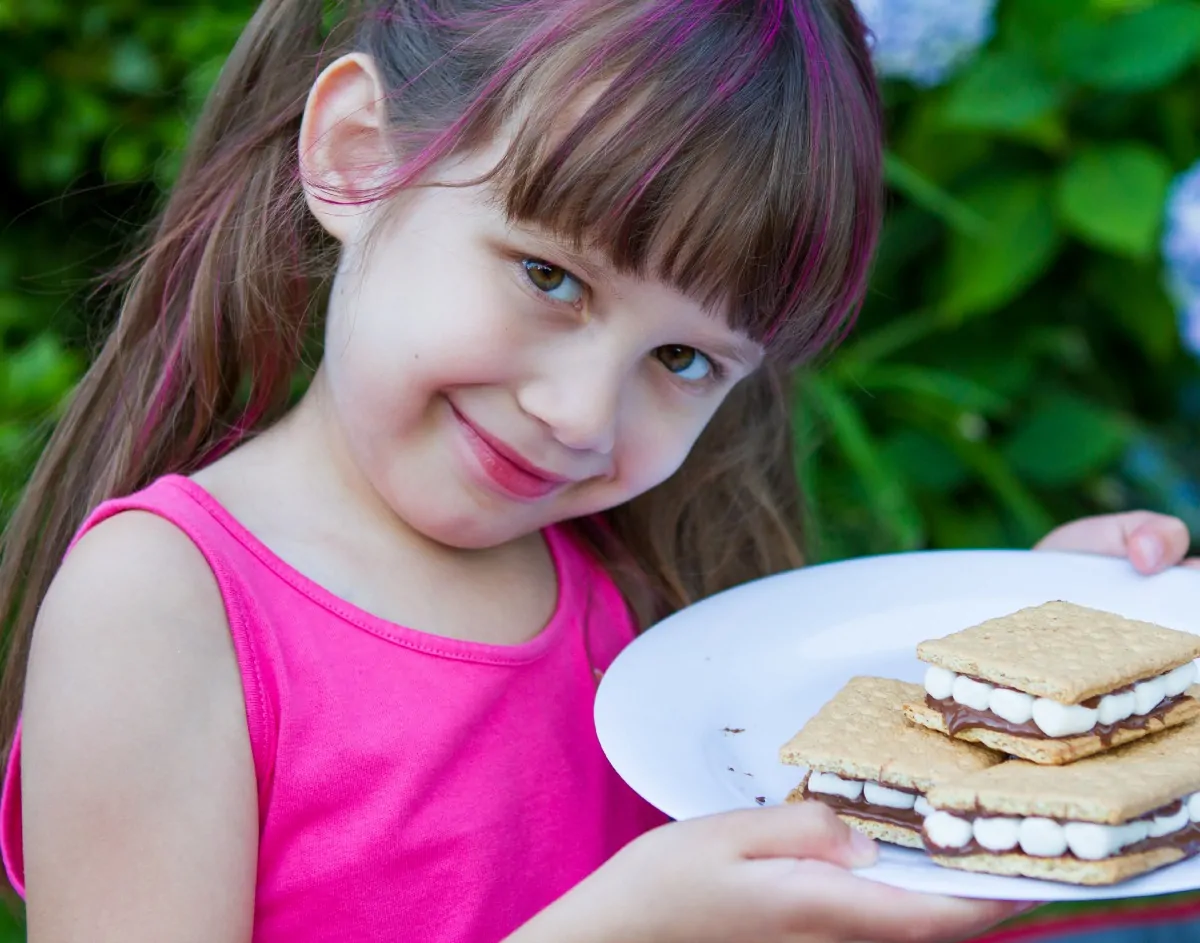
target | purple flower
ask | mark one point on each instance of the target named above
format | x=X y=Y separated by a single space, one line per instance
x=924 y=41
x=1181 y=252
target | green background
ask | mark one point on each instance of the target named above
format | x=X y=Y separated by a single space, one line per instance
x=1017 y=363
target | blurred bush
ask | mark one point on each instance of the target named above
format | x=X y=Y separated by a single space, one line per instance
x=1018 y=361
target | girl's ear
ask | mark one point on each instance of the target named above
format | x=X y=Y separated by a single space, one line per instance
x=344 y=153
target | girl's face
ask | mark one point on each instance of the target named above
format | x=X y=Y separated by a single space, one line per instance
x=487 y=383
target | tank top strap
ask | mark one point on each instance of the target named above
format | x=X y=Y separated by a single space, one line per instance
x=608 y=622
x=178 y=501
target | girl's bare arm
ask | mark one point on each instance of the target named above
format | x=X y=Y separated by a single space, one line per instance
x=139 y=795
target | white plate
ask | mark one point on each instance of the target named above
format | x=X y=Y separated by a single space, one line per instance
x=693 y=713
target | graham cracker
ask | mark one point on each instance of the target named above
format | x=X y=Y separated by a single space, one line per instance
x=1110 y=788
x=861 y=733
x=1067 y=870
x=880 y=831
x=1052 y=751
x=1062 y=651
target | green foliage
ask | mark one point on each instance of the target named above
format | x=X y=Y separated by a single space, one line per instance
x=1018 y=363
x=1016 y=342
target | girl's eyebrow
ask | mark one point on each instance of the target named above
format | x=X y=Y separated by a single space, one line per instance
x=592 y=268
x=739 y=350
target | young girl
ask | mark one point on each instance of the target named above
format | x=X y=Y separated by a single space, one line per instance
x=330 y=676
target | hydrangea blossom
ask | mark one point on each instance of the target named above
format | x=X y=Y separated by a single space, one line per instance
x=926 y=40
x=1181 y=251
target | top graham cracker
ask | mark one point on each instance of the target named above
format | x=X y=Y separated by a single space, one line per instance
x=1111 y=787
x=1062 y=651
x=862 y=733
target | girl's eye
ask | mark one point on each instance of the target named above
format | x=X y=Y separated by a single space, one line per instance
x=553 y=281
x=687 y=363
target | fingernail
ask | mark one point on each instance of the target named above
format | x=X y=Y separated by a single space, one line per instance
x=863 y=851
x=1150 y=549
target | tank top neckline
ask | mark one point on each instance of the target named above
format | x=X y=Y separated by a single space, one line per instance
x=563 y=556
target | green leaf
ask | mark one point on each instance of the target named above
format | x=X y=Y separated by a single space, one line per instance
x=1136 y=51
x=925 y=461
x=1113 y=197
x=1030 y=519
x=932 y=382
x=133 y=68
x=899 y=332
x=1134 y=296
x=1002 y=91
x=39 y=374
x=985 y=273
x=1065 y=439
x=881 y=485
x=929 y=196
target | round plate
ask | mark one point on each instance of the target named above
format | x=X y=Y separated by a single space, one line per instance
x=693 y=713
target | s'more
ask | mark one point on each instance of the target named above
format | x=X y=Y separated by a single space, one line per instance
x=1057 y=682
x=1099 y=821
x=871 y=766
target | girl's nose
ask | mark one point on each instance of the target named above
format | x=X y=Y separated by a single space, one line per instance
x=579 y=404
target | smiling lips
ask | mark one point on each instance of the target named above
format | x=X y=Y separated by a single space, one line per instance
x=505 y=468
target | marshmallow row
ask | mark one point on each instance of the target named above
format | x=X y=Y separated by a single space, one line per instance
x=873 y=793
x=1046 y=838
x=1053 y=718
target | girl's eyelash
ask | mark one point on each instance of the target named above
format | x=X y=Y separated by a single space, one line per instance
x=718 y=368
x=530 y=264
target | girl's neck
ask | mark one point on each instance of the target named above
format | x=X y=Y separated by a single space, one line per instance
x=297 y=490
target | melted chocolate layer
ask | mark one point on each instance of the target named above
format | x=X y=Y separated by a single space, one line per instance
x=1187 y=839
x=960 y=717
x=903 y=818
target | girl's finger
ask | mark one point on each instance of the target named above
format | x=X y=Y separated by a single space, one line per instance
x=806 y=830
x=1152 y=542
x=836 y=900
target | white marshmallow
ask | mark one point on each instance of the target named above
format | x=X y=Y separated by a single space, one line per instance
x=1179 y=680
x=1014 y=706
x=1148 y=695
x=997 y=834
x=879 y=794
x=923 y=808
x=1193 y=806
x=947 y=831
x=833 y=785
x=1042 y=838
x=1115 y=707
x=1134 y=832
x=1063 y=720
x=1166 y=824
x=973 y=694
x=939 y=682
x=1092 y=842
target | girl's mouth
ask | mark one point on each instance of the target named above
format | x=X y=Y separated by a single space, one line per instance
x=503 y=467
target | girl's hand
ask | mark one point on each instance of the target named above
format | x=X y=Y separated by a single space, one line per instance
x=1152 y=542
x=776 y=875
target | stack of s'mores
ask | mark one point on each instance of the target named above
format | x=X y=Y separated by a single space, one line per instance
x=1056 y=742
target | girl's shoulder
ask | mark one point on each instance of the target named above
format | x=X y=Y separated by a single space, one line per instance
x=134 y=738
x=132 y=630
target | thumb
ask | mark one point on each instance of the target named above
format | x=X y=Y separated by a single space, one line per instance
x=799 y=830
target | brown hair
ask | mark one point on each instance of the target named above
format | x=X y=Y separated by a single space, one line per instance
x=732 y=150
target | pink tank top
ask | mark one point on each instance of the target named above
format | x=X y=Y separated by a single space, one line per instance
x=411 y=787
